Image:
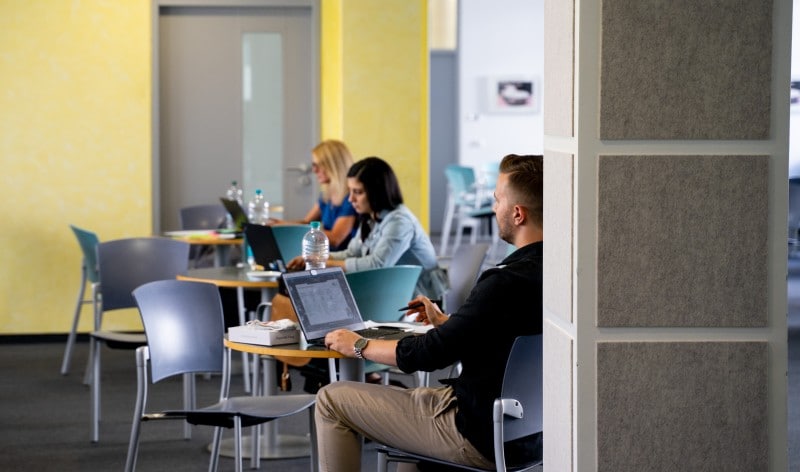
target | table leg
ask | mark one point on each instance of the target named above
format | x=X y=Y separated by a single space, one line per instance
x=221 y=252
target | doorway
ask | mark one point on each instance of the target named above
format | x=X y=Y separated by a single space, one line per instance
x=235 y=98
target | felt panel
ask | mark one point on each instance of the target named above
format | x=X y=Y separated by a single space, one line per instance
x=682 y=406
x=673 y=69
x=682 y=241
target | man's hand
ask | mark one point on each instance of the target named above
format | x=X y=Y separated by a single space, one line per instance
x=342 y=340
x=430 y=314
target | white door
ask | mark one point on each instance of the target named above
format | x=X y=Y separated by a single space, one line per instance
x=236 y=100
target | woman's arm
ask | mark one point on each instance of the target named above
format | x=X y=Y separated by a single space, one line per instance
x=313 y=214
x=342 y=228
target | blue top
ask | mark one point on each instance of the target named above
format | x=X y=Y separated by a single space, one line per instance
x=331 y=212
x=397 y=239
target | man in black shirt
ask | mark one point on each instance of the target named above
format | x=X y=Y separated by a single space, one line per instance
x=452 y=422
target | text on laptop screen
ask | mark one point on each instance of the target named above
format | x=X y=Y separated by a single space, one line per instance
x=323 y=300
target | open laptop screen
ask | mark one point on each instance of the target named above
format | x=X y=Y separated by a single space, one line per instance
x=323 y=301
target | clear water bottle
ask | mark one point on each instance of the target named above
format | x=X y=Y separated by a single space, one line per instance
x=258 y=209
x=315 y=247
x=233 y=193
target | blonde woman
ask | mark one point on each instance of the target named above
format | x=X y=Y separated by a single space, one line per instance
x=330 y=161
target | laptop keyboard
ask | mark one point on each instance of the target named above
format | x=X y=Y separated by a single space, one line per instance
x=382 y=333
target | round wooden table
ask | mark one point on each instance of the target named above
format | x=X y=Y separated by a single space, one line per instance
x=222 y=244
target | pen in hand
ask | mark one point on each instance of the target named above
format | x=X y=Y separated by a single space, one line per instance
x=412 y=306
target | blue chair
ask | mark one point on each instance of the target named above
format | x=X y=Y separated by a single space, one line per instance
x=467 y=204
x=88 y=241
x=290 y=239
x=517 y=412
x=378 y=294
x=179 y=317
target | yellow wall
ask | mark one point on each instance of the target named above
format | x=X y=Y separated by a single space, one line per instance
x=75 y=141
x=74 y=146
x=385 y=94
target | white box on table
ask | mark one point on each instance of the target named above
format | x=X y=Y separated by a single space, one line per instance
x=251 y=334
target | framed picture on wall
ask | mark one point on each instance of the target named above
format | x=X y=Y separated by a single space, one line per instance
x=513 y=94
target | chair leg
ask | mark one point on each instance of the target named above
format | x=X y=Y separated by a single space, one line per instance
x=189 y=401
x=74 y=331
x=312 y=428
x=138 y=411
x=237 y=441
x=95 y=391
x=213 y=463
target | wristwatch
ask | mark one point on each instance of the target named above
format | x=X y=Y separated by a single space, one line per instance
x=359 y=346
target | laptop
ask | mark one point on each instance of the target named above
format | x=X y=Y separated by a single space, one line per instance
x=323 y=302
x=237 y=213
x=264 y=246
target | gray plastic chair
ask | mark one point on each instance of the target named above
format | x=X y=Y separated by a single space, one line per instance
x=185 y=330
x=201 y=217
x=123 y=265
x=517 y=412
x=88 y=242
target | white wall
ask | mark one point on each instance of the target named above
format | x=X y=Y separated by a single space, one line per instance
x=498 y=38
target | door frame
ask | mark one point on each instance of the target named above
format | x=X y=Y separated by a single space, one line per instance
x=155 y=114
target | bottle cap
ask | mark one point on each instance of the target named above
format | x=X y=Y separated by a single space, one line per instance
x=315 y=224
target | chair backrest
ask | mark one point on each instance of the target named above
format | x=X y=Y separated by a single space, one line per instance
x=88 y=242
x=290 y=239
x=460 y=181
x=522 y=381
x=184 y=325
x=202 y=216
x=380 y=292
x=124 y=264
x=462 y=272
x=794 y=207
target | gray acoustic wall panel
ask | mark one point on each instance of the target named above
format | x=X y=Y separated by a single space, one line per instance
x=559 y=62
x=557 y=286
x=672 y=69
x=682 y=406
x=682 y=241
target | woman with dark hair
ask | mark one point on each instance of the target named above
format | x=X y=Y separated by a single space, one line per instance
x=388 y=232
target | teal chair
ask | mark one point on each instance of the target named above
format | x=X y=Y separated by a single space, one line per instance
x=468 y=205
x=290 y=240
x=378 y=294
x=88 y=241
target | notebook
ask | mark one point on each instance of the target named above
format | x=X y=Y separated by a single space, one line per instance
x=237 y=213
x=323 y=302
x=264 y=246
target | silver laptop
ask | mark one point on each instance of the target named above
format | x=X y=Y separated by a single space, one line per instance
x=323 y=302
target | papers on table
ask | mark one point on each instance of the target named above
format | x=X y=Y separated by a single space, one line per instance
x=200 y=234
x=417 y=328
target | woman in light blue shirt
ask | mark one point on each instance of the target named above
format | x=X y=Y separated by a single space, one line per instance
x=388 y=233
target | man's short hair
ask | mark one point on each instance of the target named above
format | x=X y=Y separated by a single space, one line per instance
x=525 y=176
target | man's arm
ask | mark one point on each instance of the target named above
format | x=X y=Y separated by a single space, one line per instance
x=377 y=350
